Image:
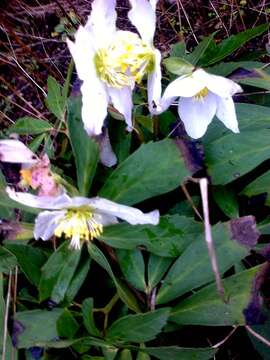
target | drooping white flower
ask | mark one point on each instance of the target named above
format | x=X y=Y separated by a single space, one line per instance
x=111 y=61
x=202 y=96
x=78 y=218
x=35 y=171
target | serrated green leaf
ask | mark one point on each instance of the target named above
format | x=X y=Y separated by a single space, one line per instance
x=200 y=49
x=38 y=327
x=88 y=318
x=157 y=267
x=30 y=260
x=85 y=149
x=138 y=328
x=30 y=126
x=55 y=101
x=132 y=265
x=259 y=186
x=180 y=353
x=123 y=291
x=193 y=268
x=169 y=238
x=206 y=307
x=215 y=53
x=153 y=169
x=57 y=273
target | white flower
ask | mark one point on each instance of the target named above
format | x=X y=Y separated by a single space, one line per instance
x=202 y=96
x=111 y=61
x=35 y=171
x=78 y=218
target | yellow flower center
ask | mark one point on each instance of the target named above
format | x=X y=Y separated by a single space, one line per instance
x=26 y=177
x=201 y=94
x=78 y=224
x=124 y=61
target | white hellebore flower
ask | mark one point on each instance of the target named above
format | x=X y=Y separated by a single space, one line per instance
x=202 y=96
x=78 y=218
x=111 y=61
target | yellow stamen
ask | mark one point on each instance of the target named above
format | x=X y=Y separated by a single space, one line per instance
x=26 y=176
x=125 y=61
x=79 y=224
x=202 y=94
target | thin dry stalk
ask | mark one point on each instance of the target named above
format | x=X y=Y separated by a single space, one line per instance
x=208 y=237
x=6 y=318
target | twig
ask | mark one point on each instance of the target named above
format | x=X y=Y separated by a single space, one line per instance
x=258 y=336
x=6 y=318
x=187 y=18
x=189 y=199
x=208 y=237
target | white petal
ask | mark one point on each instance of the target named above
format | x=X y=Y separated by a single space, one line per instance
x=122 y=101
x=45 y=224
x=14 y=151
x=94 y=105
x=127 y=213
x=101 y=22
x=226 y=113
x=105 y=219
x=221 y=86
x=197 y=114
x=83 y=53
x=143 y=17
x=41 y=202
x=107 y=156
x=154 y=84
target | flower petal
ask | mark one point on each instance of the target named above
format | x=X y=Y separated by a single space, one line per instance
x=101 y=22
x=143 y=17
x=40 y=202
x=131 y=215
x=94 y=105
x=221 y=86
x=107 y=156
x=122 y=101
x=45 y=224
x=154 y=84
x=186 y=86
x=226 y=113
x=14 y=151
x=197 y=114
x=83 y=53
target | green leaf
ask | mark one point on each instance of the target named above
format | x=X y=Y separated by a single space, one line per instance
x=169 y=238
x=193 y=268
x=123 y=291
x=55 y=101
x=5 y=201
x=5 y=212
x=154 y=169
x=77 y=280
x=30 y=260
x=207 y=308
x=132 y=265
x=57 y=273
x=138 y=328
x=157 y=267
x=178 y=353
x=215 y=53
x=226 y=199
x=178 y=66
x=178 y=49
x=7 y=260
x=66 y=325
x=226 y=68
x=232 y=156
x=259 y=186
x=88 y=317
x=30 y=126
x=38 y=327
x=262 y=82
x=85 y=149
x=200 y=50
